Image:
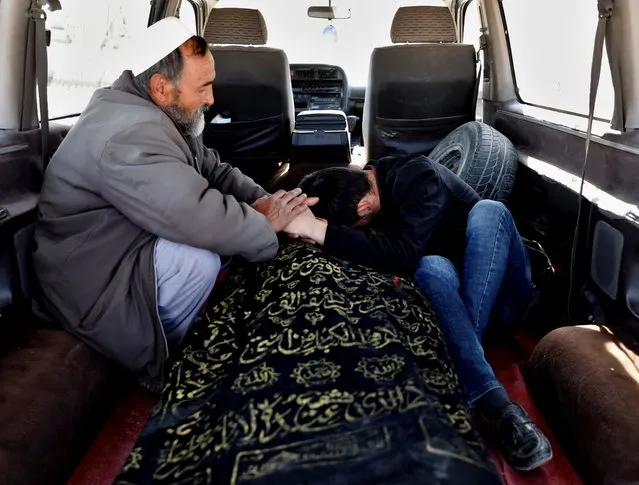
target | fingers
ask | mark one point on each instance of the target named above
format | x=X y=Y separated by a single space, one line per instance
x=283 y=207
x=297 y=205
x=292 y=195
x=298 y=210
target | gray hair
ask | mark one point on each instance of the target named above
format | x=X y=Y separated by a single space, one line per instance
x=170 y=66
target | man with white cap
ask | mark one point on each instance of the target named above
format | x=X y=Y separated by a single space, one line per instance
x=135 y=212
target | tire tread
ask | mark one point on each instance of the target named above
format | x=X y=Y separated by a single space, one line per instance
x=484 y=158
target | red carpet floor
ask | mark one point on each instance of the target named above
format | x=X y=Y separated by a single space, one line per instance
x=104 y=459
x=109 y=451
x=506 y=358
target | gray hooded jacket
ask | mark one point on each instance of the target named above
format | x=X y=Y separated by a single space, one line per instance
x=124 y=176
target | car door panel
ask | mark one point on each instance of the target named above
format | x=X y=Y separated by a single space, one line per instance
x=545 y=203
x=20 y=181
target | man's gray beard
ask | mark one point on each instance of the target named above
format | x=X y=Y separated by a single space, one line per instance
x=192 y=125
x=198 y=128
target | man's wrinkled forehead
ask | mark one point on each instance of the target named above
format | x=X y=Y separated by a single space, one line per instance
x=199 y=70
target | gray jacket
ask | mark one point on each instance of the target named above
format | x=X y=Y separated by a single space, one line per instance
x=123 y=176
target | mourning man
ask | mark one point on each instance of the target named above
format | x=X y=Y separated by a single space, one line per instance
x=135 y=212
x=464 y=253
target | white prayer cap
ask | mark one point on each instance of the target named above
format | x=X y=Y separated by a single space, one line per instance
x=155 y=43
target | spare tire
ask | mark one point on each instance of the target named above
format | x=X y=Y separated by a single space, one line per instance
x=484 y=158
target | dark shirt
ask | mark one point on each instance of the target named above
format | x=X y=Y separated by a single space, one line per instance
x=425 y=207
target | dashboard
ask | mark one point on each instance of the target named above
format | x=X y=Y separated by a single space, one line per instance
x=319 y=86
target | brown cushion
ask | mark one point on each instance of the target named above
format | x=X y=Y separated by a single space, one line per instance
x=55 y=392
x=422 y=23
x=242 y=26
x=587 y=383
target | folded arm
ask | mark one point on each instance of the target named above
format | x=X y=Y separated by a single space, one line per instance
x=150 y=183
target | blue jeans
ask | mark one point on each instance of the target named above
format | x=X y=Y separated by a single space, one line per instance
x=495 y=284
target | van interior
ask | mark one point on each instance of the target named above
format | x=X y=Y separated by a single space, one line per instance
x=305 y=84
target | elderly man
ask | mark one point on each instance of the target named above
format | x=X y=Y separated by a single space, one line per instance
x=135 y=212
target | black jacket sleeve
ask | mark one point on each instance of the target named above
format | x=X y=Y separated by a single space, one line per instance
x=420 y=198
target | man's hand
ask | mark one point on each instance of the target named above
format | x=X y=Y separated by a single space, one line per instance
x=282 y=207
x=309 y=228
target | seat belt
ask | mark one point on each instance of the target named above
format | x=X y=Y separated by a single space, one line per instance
x=605 y=8
x=483 y=43
x=37 y=34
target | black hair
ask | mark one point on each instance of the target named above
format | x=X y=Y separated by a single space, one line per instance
x=339 y=189
x=171 y=66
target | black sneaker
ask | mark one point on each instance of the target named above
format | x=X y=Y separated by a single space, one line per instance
x=521 y=442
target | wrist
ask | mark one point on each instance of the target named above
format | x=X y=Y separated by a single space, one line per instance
x=318 y=231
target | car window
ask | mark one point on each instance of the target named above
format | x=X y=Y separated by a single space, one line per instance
x=551 y=43
x=86 y=38
x=470 y=35
x=347 y=43
x=472 y=24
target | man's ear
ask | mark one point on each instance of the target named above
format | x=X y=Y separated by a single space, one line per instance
x=161 y=90
x=363 y=208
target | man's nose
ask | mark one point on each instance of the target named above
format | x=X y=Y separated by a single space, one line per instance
x=209 y=99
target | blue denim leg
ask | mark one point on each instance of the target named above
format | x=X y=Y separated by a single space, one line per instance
x=438 y=279
x=496 y=271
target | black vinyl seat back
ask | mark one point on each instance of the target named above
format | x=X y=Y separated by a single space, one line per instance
x=19 y=288
x=248 y=89
x=421 y=88
x=20 y=291
x=20 y=181
x=253 y=89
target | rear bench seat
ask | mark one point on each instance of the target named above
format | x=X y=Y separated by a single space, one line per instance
x=55 y=392
x=586 y=381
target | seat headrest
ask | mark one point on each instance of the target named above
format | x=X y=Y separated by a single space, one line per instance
x=239 y=26
x=423 y=25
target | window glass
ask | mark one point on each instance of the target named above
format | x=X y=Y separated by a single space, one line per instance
x=471 y=33
x=472 y=25
x=551 y=43
x=85 y=41
x=347 y=43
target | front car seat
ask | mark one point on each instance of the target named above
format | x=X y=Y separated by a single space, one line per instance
x=421 y=88
x=251 y=122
